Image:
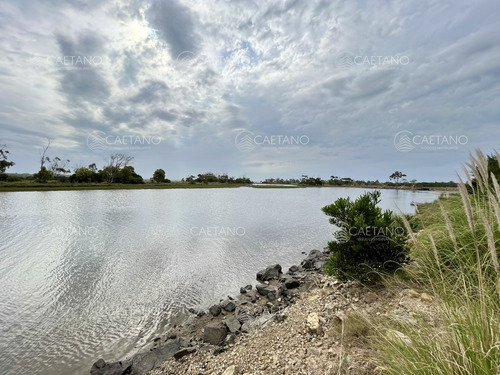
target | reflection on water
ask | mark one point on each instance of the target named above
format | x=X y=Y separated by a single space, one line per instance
x=88 y=274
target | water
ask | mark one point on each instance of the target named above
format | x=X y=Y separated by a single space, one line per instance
x=90 y=274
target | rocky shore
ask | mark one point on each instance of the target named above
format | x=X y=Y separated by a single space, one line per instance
x=295 y=322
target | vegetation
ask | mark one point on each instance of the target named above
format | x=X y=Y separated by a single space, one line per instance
x=368 y=239
x=159 y=176
x=4 y=162
x=396 y=176
x=457 y=262
x=209 y=177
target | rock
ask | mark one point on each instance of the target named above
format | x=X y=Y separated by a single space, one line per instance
x=291 y=283
x=99 y=364
x=411 y=293
x=230 y=339
x=102 y=368
x=293 y=269
x=184 y=352
x=425 y=297
x=215 y=310
x=200 y=313
x=370 y=298
x=193 y=311
x=228 y=305
x=233 y=324
x=145 y=362
x=245 y=289
x=311 y=259
x=214 y=333
x=313 y=351
x=313 y=324
x=270 y=273
x=231 y=370
x=264 y=290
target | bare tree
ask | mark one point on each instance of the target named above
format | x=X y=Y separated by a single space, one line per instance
x=43 y=152
x=113 y=165
x=59 y=166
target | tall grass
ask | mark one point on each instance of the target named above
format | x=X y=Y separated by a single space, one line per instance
x=456 y=260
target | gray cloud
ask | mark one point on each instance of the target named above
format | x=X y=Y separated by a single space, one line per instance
x=269 y=68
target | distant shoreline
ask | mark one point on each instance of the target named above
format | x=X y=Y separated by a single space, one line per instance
x=20 y=187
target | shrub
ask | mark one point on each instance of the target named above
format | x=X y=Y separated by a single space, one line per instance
x=368 y=238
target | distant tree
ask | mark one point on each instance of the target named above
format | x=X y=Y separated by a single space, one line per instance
x=114 y=163
x=59 y=167
x=396 y=176
x=43 y=153
x=127 y=175
x=4 y=162
x=159 y=176
x=82 y=174
x=43 y=175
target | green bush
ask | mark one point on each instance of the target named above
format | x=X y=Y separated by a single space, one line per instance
x=368 y=239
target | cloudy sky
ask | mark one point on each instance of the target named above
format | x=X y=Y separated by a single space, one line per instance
x=257 y=88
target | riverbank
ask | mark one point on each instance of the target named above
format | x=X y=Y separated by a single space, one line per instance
x=299 y=321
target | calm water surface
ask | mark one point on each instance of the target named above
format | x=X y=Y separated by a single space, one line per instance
x=90 y=274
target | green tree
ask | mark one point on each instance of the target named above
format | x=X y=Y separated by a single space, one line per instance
x=43 y=175
x=368 y=238
x=396 y=176
x=4 y=162
x=159 y=175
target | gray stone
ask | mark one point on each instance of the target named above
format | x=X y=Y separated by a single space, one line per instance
x=184 y=352
x=264 y=290
x=293 y=269
x=214 y=333
x=228 y=305
x=313 y=257
x=232 y=324
x=231 y=370
x=291 y=283
x=215 y=310
x=270 y=273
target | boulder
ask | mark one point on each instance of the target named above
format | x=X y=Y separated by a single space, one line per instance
x=228 y=305
x=184 y=352
x=215 y=310
x=214 y=333
x=293 y=269
x=100 y=367
x=313 y=257
x=270 y=273
x=291 y=282
x=313 y=324
x=264 y=290
x=233 y=324
x=244 y=290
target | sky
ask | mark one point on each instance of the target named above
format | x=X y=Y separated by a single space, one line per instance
x=260 y=89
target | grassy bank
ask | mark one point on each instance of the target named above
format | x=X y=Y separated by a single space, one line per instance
x=456 y=261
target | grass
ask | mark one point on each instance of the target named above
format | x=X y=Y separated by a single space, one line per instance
x=456 y=260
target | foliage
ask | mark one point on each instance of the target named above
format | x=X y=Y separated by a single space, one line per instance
x=456 y=255
x=4 y=162
x=210 y=177
x=159 y=176
x=396 y=176
x=368 y=238
x=311 y=181
x=43 y=175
